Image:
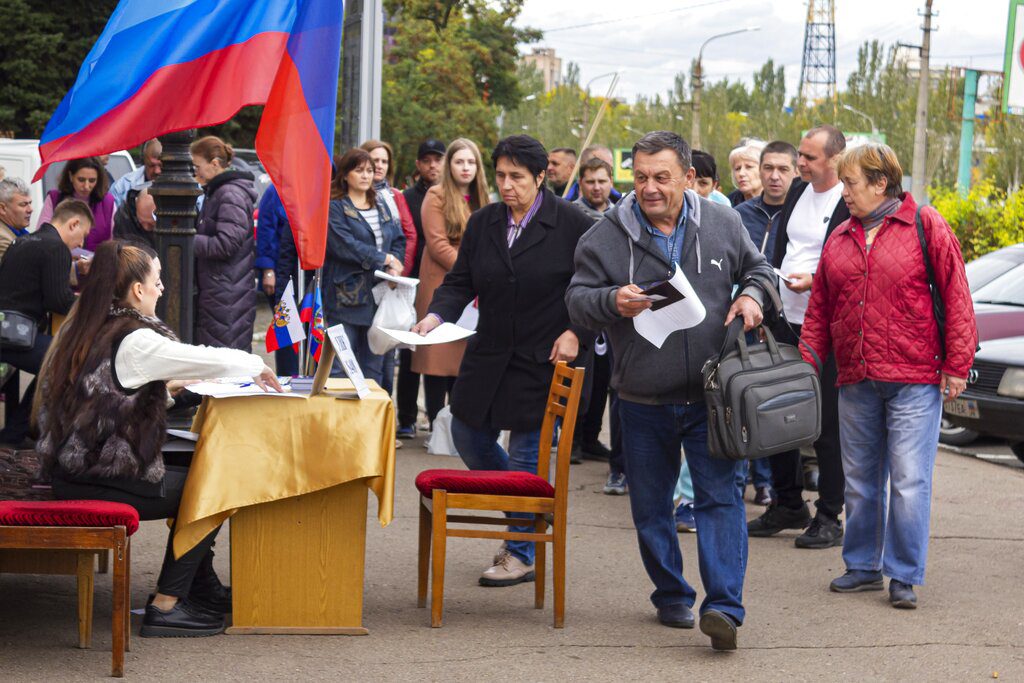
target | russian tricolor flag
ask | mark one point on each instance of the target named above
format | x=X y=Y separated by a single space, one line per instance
x=160 y=67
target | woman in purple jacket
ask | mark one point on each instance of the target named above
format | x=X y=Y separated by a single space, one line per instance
x=84 y=179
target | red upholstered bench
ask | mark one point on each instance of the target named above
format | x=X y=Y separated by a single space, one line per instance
x=84 y=526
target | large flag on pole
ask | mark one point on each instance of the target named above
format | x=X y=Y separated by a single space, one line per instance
x=160 y=67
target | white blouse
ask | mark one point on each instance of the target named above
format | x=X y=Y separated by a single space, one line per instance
x=146 y=356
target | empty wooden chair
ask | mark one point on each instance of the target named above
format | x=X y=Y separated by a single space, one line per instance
x=505 y=491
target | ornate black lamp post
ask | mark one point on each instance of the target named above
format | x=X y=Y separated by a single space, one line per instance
x=175 y=191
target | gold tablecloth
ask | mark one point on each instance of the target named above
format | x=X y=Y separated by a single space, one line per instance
x=258 y=449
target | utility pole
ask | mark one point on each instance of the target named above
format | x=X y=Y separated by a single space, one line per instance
x=920 y=168
x=697 y=82
x=362 y=61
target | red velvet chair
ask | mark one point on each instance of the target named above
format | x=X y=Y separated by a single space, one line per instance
x=503 y=491
x=84 y=527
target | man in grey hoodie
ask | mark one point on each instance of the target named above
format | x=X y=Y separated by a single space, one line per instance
x=638 y=243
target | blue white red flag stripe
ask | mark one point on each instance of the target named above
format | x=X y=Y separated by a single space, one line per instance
x=164 y=66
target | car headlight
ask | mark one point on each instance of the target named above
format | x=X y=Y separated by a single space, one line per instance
x=1012 y=383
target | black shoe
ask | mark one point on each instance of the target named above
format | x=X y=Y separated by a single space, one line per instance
x=901 y=595
x=208 y=592
x=595 y=450
x=824 y=532
x=676 y=616
x=776 y=518
x=575 y=455
x=763 y=496
x=720 y=628
x=181 y=621
x=215 y=599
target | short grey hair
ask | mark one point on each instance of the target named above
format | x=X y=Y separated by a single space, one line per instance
x=659 y=140
x=150 y=143
x=9 y=187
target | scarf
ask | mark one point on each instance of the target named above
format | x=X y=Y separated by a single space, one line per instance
x=875 y=218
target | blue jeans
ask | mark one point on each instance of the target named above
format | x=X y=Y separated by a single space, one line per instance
x=889 y=433
x=480 y=450
x=370 y=363
x=651 y=439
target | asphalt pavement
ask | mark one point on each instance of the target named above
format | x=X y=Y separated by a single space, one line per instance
x=969 y=626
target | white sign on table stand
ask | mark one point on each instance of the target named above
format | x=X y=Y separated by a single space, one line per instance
x=340 y=346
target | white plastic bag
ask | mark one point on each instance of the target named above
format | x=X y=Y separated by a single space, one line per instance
x=440 y=441
x=395 y=311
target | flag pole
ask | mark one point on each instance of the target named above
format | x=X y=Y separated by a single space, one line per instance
x=304 y=344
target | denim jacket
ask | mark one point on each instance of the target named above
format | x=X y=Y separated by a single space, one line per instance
x=352 y=256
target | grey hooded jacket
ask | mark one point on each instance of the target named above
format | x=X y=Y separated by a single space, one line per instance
x=717 y=255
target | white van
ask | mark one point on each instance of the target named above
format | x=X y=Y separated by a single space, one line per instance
x=20 y=159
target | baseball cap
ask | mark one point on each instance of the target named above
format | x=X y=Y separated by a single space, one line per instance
x=430 y=146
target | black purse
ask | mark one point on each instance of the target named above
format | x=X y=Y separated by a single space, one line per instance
x=17 y=331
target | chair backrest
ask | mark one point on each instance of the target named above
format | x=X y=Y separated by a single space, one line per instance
x=563 y=402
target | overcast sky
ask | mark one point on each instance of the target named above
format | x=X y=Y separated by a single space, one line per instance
x=659 y=38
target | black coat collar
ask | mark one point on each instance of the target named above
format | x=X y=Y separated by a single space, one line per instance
x=533 y=234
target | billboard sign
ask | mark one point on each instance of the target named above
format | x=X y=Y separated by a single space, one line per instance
x=1013 y=70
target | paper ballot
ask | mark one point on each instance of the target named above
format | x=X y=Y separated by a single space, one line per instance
x=656 y=326
x=442 y=334
x=398 y=279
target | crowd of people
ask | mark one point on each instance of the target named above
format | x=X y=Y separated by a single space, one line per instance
x=817 y=242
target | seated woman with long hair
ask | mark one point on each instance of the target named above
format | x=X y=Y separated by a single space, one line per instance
x=105 y=388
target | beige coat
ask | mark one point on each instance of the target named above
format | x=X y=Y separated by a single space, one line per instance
x=6 y=238
x=439 y=255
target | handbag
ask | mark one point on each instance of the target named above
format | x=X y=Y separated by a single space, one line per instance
x=17 y=331
x=762 y=399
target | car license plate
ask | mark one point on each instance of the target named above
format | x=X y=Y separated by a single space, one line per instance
x=963 y=407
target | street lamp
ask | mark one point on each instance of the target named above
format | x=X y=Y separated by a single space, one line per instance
x=175 y=191
x=698 y=83
x=874 y=128
x=586 y=96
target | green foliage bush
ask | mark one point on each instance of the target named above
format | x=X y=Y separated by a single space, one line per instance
x=985 y=220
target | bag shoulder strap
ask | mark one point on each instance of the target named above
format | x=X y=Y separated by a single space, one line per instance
x=937 y=304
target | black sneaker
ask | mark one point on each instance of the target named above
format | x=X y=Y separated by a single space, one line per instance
x=777 y=518
x=181 y=621
x=901 y=595
x=595 y=450
x=575 y=455
x=824 y=532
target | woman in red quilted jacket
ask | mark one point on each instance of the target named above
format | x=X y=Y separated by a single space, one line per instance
x=871 y=304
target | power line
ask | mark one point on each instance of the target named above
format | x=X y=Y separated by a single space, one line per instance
x=634 y=16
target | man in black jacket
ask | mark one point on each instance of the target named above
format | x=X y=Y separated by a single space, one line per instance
x=429 y=164
x=34 y=282
x=813 y=209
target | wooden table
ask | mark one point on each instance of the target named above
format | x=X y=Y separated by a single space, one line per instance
x=293 y=476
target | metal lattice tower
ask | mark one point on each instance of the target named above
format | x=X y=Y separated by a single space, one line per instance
x=818 y=69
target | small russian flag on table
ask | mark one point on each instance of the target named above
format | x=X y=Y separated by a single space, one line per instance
x=286 y=327
x=313 y=312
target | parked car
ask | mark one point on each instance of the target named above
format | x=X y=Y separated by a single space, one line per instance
x=984 y=269
x=997 y=288
x=20 y=158
x=993 y=403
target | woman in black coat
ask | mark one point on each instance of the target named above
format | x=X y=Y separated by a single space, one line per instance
x=517 y=257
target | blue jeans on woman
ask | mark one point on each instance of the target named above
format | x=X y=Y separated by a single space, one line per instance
x=480 y=450
x=370 y=363
x=889 y=434
x=651 y=438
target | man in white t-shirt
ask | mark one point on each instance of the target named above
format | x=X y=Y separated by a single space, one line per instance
x=813 y=209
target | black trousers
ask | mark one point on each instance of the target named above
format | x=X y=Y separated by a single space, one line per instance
x=600 y=369
x=408 y=390
x=176 y=576
x=787 y=471
x=436 y=391
x=28 y=360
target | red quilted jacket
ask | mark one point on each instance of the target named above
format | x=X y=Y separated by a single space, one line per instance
x=874 y=310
